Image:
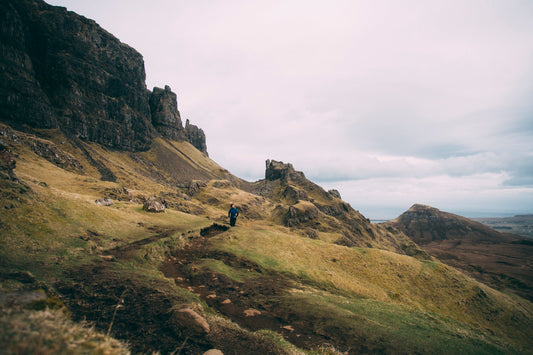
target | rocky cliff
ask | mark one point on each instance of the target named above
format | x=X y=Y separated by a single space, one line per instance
x=167 y=120
x=62 y=70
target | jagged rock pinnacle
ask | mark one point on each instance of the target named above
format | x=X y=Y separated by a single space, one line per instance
x=278 y=170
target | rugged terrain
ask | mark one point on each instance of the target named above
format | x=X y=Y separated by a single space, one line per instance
x=502 y=260
x=82 y=249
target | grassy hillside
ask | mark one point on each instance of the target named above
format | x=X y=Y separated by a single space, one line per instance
x=181 y=281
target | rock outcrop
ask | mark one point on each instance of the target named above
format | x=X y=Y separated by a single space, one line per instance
x=154 y=204
x=7 y=163
x=195 y=136
x=165 y=115
x=62 y=70
x=187 y=317
x=305 y=206
x=300 y=213
x=278 y=170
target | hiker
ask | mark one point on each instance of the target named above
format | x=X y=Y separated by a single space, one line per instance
x=233 y=213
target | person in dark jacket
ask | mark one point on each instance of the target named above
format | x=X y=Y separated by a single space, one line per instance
x=232 y=214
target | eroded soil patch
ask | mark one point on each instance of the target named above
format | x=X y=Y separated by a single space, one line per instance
x=132 y=308
x=142 y=310
x=253 y=303
x=124 y=251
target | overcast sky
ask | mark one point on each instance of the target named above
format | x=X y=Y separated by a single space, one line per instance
x=390 y=102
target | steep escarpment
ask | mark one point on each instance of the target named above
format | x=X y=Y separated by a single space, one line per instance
x=62 y=70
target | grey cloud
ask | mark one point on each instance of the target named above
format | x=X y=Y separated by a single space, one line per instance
x=353 y=91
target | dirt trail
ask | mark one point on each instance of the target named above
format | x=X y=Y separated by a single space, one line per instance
x=132 y=307
x=123 y=251
x=252 y=303
x=137 y=309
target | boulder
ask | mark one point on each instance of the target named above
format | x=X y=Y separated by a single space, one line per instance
x=213 y=352
x=154 y=204
x=252 y=312
x=104 y=202
x=188 y=318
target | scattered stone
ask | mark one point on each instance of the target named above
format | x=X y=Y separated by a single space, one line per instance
x=212 y=295
x=226 y=301
x=213 y=352
x=188 y=318
x=288 y=327
x=120 y=194
x=153 y=205
x=107 y=257
x=56 y=155
x=251 y=312
x=104 y=202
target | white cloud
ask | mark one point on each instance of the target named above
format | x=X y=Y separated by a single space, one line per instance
x=473 y=196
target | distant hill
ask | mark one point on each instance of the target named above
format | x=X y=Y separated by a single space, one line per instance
x=114 y=226
x=520 y=224
x=502 y=260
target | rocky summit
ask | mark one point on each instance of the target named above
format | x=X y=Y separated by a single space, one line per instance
x=115 y=236
x=62 y=70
